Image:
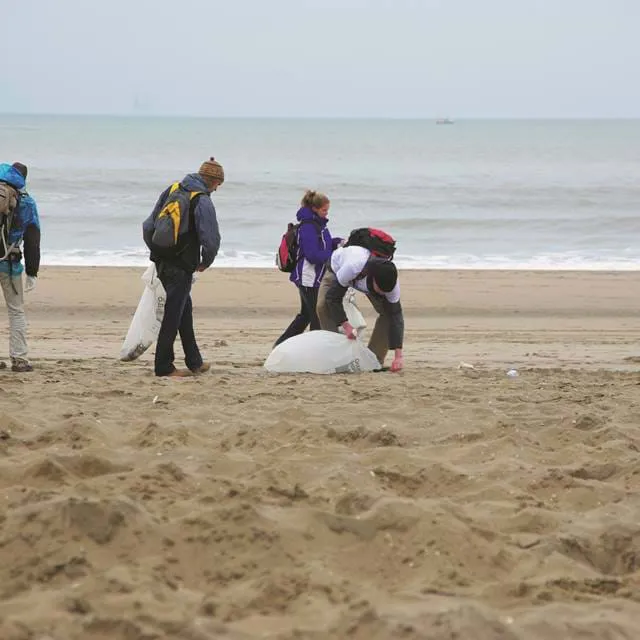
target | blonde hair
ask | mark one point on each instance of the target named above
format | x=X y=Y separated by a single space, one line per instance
x=314 y=199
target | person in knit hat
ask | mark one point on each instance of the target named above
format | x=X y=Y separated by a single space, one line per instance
x=178 y=252
x=212 y=173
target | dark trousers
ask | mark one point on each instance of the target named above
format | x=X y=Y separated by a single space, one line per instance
x=178 y=318
x=307 y=316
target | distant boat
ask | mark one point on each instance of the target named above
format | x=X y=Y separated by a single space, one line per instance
x=444 y=121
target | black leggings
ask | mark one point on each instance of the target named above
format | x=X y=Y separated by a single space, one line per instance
x=307 y=315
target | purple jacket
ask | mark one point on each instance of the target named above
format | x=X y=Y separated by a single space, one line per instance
x=315 y=246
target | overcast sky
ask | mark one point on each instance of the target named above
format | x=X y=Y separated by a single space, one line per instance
x=379 y=58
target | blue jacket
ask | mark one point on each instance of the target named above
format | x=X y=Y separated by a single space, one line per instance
x=25 y=228
x=315 y=246
x=206 y=233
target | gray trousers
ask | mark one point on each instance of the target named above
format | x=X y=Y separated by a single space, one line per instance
x=379 y=341
x=17 y=318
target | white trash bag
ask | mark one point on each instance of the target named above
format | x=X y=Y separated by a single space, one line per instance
x=321 y=352
x=145 y=325
x=354 y=315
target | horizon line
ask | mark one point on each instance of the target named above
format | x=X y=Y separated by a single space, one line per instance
x=453 y=119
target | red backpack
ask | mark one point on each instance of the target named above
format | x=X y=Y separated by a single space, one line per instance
x=287 y=253
x=380 y=244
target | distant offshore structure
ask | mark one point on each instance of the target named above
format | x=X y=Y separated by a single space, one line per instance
x=444 y=121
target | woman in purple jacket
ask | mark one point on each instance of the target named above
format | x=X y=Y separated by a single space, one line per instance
x=315 y=246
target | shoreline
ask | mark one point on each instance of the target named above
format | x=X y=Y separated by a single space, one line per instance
x=401 y=269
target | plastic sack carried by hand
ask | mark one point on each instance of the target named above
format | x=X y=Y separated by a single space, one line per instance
x=354 y=315
x=145 y=326
x=321 y=352
x=30 y=283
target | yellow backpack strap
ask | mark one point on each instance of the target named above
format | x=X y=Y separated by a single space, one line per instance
x=168 y=208
x=195 y=193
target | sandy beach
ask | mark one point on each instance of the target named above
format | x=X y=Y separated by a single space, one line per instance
x=440 y=503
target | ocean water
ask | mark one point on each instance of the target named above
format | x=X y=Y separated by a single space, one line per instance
x=475 y=194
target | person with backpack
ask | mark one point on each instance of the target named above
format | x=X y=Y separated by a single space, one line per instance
x=19 y=232
x=365 y=262
x=305 y=250
x=183 y=237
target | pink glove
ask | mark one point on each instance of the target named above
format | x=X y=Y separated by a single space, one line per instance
x=349 y=331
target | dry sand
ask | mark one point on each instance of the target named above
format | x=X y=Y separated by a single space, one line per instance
x=439 y=503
